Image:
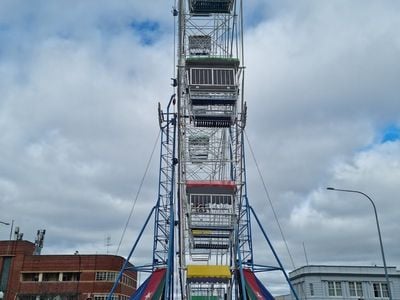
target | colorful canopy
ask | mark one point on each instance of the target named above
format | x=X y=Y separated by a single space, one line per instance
x=205 y=272
x=254 y=288
x=152 y=288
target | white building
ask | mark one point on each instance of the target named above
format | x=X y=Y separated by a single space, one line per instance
x=318 y=282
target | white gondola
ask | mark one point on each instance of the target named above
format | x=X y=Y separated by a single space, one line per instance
x=210 y=6
x=213 y=90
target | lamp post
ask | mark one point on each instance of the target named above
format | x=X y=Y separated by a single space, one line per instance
x=7 y=224
x=379 y=231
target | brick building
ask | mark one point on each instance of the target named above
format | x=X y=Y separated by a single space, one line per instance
x=24 y=276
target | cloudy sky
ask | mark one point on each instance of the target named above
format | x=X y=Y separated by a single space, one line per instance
x=79 y=86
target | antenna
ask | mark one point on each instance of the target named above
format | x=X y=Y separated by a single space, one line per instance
x=39 y=241
x=18 y=235
x=107 y=242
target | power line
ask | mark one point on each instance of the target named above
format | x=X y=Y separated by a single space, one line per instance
x=269 y=200
x=138 y=191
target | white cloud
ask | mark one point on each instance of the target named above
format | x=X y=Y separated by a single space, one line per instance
x=343 y=224
x=78 y=120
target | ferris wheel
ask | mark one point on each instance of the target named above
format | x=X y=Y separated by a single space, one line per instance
x=202 y=243
x=211 y=118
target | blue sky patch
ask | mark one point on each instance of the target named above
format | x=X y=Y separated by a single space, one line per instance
x=390 y=134
x=148 y=31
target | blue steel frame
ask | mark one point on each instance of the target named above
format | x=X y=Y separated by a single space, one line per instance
x=245 y=240
x=244 y=248
x=261 y=268
x=269 y=268
x=164 y=214
x=256 y=267
x=164 y=223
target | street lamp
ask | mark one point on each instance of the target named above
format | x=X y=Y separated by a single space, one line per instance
x=379 y=231
x=11 y=229
x=7 y=224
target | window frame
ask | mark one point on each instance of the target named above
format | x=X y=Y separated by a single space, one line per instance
x=208 y=76
x=106 y=276
x=30 y=276
x=51 y=276
x=312 y=291
x=70 y=276
x=337 y=289
x=357 y=288
x=381 y=292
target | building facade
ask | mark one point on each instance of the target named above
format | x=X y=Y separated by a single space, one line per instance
x=319 y=282
x=25 y=276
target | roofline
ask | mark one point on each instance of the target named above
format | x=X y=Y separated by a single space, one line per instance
x=351 y=271
x=343 y=266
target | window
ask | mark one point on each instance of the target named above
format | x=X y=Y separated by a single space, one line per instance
x=47 y=297
x=105 y=296
x=27 y=297
x=205 y=202
x=30 y=277
x=334 y=288
x=201 y=76
x=70 y=276
x=106 y=276
x=200 y=203
x=355 y=289
x=222 y=199
x=311 y=289
x=223 y=77
x=128 y=281
x=212 y=76
x=51 y=276
x=380 y=290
